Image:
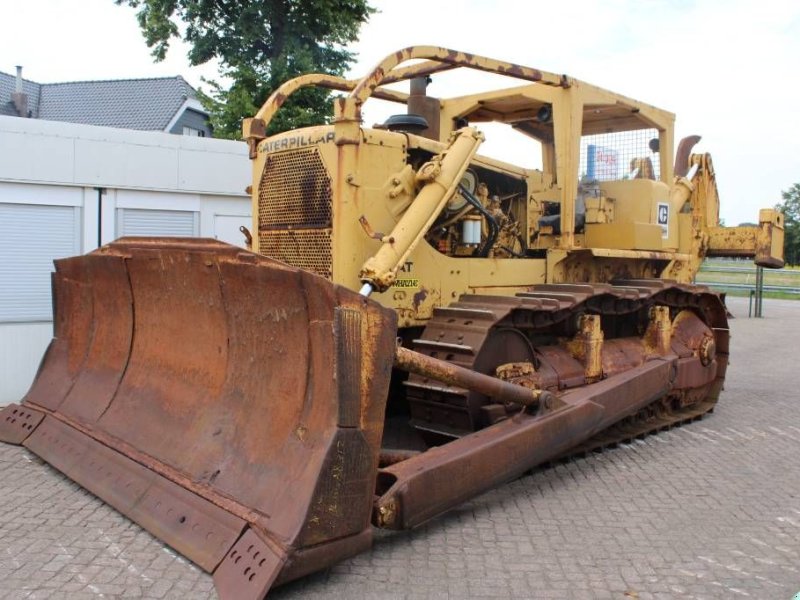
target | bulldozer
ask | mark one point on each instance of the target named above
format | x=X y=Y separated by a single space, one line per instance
x=412 y=323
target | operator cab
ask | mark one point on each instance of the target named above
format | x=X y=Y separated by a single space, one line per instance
x=614 y=185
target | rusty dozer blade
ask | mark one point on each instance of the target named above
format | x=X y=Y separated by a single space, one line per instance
x=230 y=404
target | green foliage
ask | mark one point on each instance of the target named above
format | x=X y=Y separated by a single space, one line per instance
x=260 y=44
x=791 y=211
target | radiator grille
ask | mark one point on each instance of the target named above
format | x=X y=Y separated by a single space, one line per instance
x=295 y=191
x=308 y=249
x=294 y=210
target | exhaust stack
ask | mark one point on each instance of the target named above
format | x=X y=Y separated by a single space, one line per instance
x=419 y=103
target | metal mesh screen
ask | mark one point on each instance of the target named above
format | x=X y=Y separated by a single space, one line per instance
x=619 y=155
x=308 y=249
x=295 y=190
x=294 y=211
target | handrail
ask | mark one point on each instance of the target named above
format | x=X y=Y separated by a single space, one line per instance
x=385 y=72
x=381 y=73
x=331 y=82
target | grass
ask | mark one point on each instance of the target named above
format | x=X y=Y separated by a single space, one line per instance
x=786 y=277
x=744 y=294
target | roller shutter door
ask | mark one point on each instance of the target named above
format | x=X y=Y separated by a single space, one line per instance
x=160 y=223
x=31 y=237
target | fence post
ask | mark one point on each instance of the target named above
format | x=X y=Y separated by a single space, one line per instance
x=759 y=291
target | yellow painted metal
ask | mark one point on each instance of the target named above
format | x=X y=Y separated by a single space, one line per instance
x=378 y=190
x=732 y=241
x=624 y=235
x=440 y=177
x=587 y=347
x=769 y=247
x=765 y=242
x=658 y=336
x=448 y=57
x=635 y=224
x=254 y=129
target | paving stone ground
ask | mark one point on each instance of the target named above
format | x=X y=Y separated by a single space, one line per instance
x=710 y=510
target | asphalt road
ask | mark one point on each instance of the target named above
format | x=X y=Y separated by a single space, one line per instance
x=710 y=510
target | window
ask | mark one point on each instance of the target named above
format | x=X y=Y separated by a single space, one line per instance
x=193 y=132
x=160 y=223
x=31 y=237
x=620 y=155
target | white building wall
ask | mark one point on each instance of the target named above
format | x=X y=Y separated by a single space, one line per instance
x=21 y=348
x=100 y=172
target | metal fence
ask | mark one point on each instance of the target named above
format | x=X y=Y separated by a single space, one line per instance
x=756 y=288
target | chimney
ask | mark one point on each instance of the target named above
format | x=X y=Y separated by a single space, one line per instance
x=19 y=97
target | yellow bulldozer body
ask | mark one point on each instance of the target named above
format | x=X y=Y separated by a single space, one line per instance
x=346 y=191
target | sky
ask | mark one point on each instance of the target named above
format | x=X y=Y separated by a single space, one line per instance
x=727 y=68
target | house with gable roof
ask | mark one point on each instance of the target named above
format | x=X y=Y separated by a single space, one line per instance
x=167 y=104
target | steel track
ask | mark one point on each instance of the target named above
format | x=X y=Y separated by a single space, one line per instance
x=459 y=332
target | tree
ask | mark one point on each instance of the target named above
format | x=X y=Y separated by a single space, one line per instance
x=791 y=212
x=260 y=44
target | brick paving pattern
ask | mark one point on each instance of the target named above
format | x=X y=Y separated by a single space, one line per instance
x=710 y=510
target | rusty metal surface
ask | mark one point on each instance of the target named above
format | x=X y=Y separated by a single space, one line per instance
x=683 y=153
x=672 y=369
x=483 y=332
x=206 y=378
x=429 y=484
x=322 y=80
x=193 y=526
x=451 y=374
x=392 y=456
x=386 y=72
x=308 y=560
x=455 y=334
x=195 y=380
x=295 y=210
x=249 y=569
x=763 y=243
x=103 y=285
x=732 y=241
x=295 y=191
x=18 y=422
x=72 y=326
x=568 y=369
x=366 y=86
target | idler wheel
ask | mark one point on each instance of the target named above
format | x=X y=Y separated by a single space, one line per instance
x=707 y=351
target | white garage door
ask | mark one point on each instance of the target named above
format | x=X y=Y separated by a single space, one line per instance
x=31 y=237
x=160 y=223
